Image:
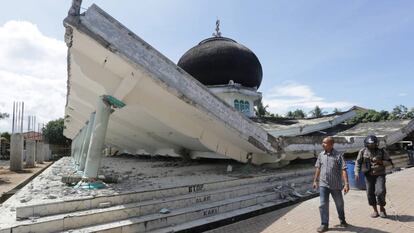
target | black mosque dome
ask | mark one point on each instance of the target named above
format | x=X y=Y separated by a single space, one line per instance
x=217 y=60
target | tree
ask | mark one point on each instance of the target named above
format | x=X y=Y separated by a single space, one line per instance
x=261 y=110
x=3 y=115
x=297 y=114
x=401 y=112
x=53 y=132
x=316 y=112
x=5 y=135
x=336 y=110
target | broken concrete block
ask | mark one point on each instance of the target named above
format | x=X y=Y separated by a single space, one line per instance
x=104 y=204
x=164 y=211
x=229 y=168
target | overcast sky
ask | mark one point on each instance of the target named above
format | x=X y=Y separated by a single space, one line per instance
x=330 y=53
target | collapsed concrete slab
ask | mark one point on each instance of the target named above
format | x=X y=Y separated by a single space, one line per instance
x=167 y=111
x=296 y=127
x=350 y=140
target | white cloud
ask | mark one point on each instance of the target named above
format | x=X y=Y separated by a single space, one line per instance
x=33 y=70
x=402 y=94
x=291 y=96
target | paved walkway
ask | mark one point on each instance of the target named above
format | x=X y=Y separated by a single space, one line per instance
x=304 y=217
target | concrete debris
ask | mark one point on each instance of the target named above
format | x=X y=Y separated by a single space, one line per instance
x=25 y=199
x=71 y=180
x=310 y=192
x=164 y=211
x=297 y=194
x=51 y=196
x=229 y=168
x=105 y=204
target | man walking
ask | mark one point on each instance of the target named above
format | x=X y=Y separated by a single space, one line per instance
x=372 y=160
x=330 y=171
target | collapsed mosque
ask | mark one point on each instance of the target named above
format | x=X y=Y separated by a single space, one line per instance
x=123 y=93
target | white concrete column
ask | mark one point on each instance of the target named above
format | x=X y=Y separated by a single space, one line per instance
x=49 y=154
x=97 y=140
x=86 y=142
x=76 y=147
x=72 y=147
x=39 y=152
x=79 y=146
x=45 y=151
x=30 y=153
x=16 y=152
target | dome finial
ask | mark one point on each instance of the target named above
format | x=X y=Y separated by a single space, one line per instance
x=218 y=33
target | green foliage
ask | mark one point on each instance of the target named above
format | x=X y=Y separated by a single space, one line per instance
x=401 y=112
x=398 y=113
x=53 y=132
x=317 y=112
x=261 y=110
x=5 y=135
x=297 y=114
x=3 y=115
x=336 y=110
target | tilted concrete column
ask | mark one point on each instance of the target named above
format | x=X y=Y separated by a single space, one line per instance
x=79 y=147
x=97 y=141
x=30 y=153
x=72 y=147
x=39 y=152
x=16 y=152
x=86 y=142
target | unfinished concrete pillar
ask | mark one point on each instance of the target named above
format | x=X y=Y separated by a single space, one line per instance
x=16 y=152
x=49 y=154
x=45 y=151
x=86 y=142
x=30 y=153
x=39 y=152
x=97 y=140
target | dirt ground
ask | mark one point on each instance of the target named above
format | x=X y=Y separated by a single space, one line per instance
x=9 y=180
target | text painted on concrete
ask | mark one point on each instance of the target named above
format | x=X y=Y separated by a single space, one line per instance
x=195 y=188
x=203 y=199
x=211 y=211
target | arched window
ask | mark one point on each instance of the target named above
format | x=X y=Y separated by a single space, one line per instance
x=237 y=105
x=246 y=106
x=241 y=106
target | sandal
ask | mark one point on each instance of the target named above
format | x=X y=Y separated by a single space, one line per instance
x=374 y=215
x=383 y=214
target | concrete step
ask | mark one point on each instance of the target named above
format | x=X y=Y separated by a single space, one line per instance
x=122 y=212
x=87 y=203
x=193 y=226
x=179 y=216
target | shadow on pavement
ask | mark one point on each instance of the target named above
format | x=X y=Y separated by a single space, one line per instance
x=401 y=218
x=353 y=228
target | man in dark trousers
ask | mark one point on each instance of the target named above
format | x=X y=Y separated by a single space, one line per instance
x=371 y=161
x=329 y=174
